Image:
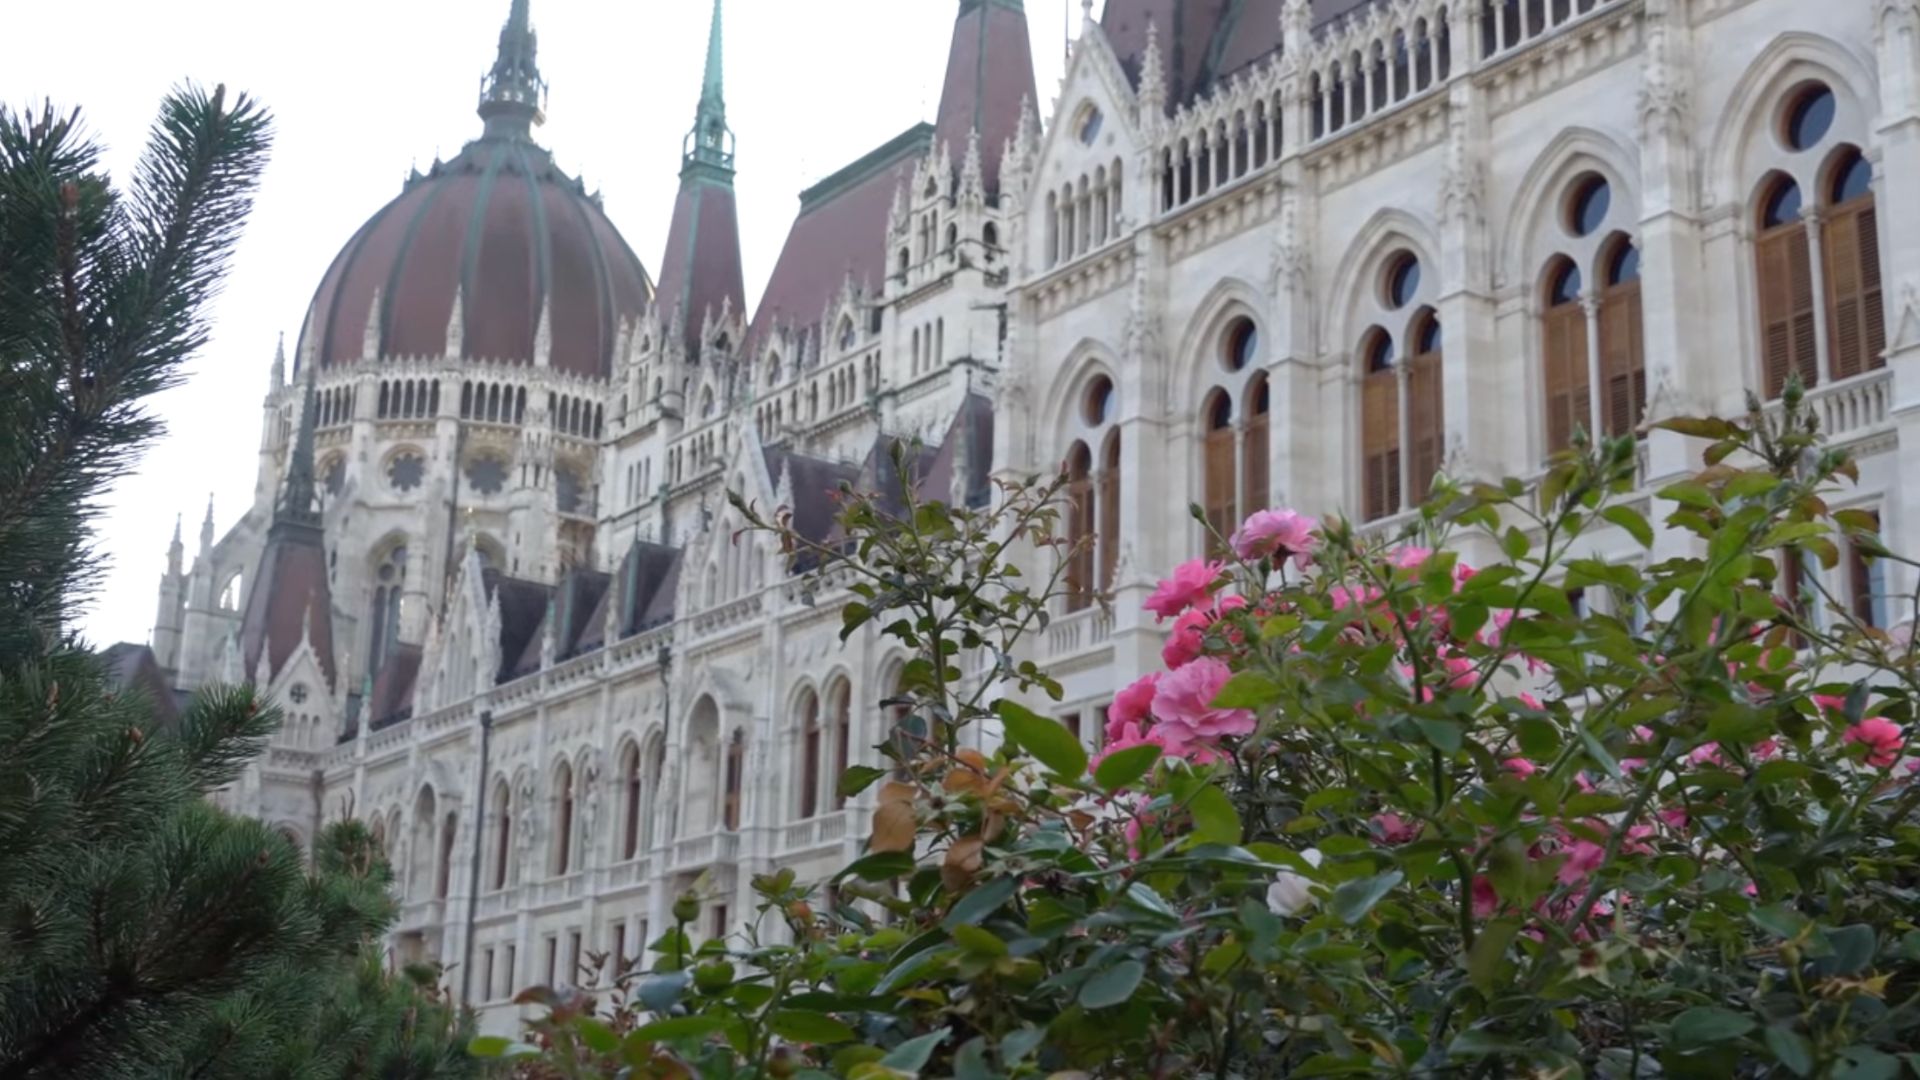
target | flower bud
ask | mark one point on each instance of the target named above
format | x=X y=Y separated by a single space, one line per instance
x=713 y=976
x=687 y=908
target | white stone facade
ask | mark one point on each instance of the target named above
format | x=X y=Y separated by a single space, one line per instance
x=1465 y=163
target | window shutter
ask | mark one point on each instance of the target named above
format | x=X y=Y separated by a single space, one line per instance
x=1080 y=537
x=1110 y=519
x=1426 y=422
x=1568 y=401
x=1856 y=315
x=1776 y=315
x=1258 y=487
x=1873 y=303
x=1806 y=357
x=1622 y=358
x=1380 y=443
x=1220 y=480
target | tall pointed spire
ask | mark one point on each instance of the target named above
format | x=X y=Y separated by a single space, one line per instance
x=989 y=74
x=700 y=275
x=711 y=141
x=296 y=505
x=513 y=95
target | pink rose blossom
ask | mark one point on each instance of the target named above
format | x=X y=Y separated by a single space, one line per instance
x=1190 y=586
x=1280 y=534
x=1394 y=829
x=1408 y=557
x=1486 y=900
x=1583 y=858
x=1882 y=737
x=1131 y=705
x=1183 y=702
x=1185 y=642
x=1520 y=767
x=1532 y=702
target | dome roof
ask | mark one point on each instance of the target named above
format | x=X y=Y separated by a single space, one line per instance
x=501 y=230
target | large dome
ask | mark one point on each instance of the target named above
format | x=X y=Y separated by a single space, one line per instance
x=501 y=228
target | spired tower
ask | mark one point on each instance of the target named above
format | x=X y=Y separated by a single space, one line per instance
x=700 y=277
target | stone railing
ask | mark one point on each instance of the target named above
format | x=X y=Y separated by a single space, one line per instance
x=422 y=914
x=626 y=874
x=695 y=852
x=814 y=832
x=1852 y=406
x=1078 y=632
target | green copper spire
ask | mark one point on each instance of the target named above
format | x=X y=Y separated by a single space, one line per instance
x=513 y=94
x=711 y=141
x=296 y=505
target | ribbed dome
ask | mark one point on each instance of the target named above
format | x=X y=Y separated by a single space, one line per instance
x=511 y=233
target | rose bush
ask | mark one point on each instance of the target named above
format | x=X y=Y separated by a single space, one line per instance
x=1457 y=800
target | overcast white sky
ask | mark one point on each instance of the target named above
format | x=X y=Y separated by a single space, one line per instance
x=363 y=89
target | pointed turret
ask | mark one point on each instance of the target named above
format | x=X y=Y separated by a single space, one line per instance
x=513 y=95
x=289 y=603
x=989 y=73
x=277 y=378
x=700 y=274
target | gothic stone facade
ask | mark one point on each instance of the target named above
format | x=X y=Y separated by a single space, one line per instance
x=1304 y=258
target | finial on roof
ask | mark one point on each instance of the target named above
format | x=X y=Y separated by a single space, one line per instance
x=279 y=373
x=711 y=142
x=513 y=96
x=296 y=505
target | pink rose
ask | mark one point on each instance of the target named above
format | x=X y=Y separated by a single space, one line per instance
x=1188 y=637
x=1281 y=534
x=1190 y=586
x=1132 y=705
x=1882 y=737
x=1486 y=900
x=1408 y=556
x=1183 y=702
x=1583 y=858
x=1394 y=829
x=1520 y=767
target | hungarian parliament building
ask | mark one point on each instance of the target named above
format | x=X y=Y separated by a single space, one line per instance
x=1274 y=252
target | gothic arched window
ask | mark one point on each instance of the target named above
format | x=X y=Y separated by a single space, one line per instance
x=840 y=713
x=389 y=582
x=1080 y=527
x=1426 y=411
x=444 y=875
x=1379 y=426
x=562 y=819
x=1255 y=460
x=502 y=832
x=1563 y=329
x=1856 y=317
x=1623 y=363
x=1110 y=510
x=1785 y=275
x=810 y=749
x=1217 y=464
x=735 y=777
x=630 y=801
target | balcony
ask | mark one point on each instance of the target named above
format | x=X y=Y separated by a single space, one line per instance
x=823 y=831
x=1079 y=632
x=699 y=852
x=561 y=889
x=422 y=915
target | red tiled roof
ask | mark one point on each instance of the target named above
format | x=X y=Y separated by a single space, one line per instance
x=509 y=230
x=841 y=230
x=989 y=77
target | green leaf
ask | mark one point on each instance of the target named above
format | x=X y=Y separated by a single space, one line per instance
x=1790 y=1048
x=597 y=1035
x=1866 y=1063
x=975 y=940
x=1123 y=768
x=1048 y=740
x=1514 y=544
x=1353 y=899
x=1215 y=821
x=880 y=866
x=1853 y=948
x=1634 y=522
x=679 y=1027
x=1113 y=986
x=1442 y=735
x=1698 y=427
x=1598 y=753
x=858 y=778
x=912 y=1056
x=800 y=1025
x=980 y=903
x=1248 y=690
x=1704 y=1025
x=1489 y=950
x=493 y=1046
x=852 y=617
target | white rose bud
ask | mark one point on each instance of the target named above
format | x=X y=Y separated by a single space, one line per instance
x=1291 y=893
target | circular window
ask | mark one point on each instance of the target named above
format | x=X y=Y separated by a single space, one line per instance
x=1587 y=208
x=1241 y=344
x=1099 y=401
x=1379 y=352
x=333 y=475
x=1091 y=120
x=1782 y=206
x=406 y=471
x=487 y=475
x=297 y=693
x=566 y=490
x=1564 y=286
x=1852 y=179
x=1402 y=280
x=1809 y=117
x=1624 y=266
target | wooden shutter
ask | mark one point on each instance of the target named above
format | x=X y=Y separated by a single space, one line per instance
x=842 y=743
x=1569 y=403
x=736 y=770
x=1862 y=583
x=810 y=763
x=1426 y=422
x=1855 y=308
x=1380 y=443
x=1259 y=491
x=1623 y=368
x=1110 y=513
x=1080 y=536
x=1786 y=308
x=1220 y=481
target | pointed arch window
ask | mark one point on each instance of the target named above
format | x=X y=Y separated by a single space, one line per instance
x=1623 y=364
x=1856 y=315
x=502 y=832
x=1379 y=426
x=736 y=771
x=1426 y=417
x=562 y=819
x=810 y=748
x=656 y=773
x=443 y=878
x=1217 y=463
x=630 y=801
x=1785 y=276
x=1080 y=527
x=383 y=615
x=1109 y=511
x=840 y=709
x=1563 y=329
x=1255 y=469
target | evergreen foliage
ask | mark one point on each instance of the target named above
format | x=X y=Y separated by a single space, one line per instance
x=143 y=932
